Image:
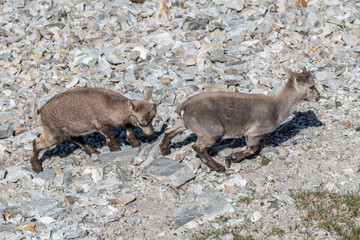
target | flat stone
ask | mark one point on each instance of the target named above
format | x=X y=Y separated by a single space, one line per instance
x=2 y=174
x=169 y=170
x=285 y=198
x=235 y=5
x=15 y=175
x=124 y=199
x=208 y=206
x=124 y=157
x=256 y=216
x=350 y=39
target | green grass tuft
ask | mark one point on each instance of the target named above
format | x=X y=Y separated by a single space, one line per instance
x=331 y=211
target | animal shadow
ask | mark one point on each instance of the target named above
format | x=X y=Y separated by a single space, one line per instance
x=97 y=140
x=283 y=133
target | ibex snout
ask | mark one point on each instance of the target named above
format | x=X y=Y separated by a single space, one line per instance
x=148 y=130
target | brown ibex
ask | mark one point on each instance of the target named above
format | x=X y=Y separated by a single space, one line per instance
x=214 y=115
x=84 y=110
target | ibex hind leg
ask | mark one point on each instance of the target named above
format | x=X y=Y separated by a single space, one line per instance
x=46 y=140
x=79 y=140
x=201 y=147
x=170 y=133
x=252 y=147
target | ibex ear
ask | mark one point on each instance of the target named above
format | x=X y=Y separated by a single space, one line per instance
x=306 y=72
x=149 y=93
x=290 y=74
x=132 y=105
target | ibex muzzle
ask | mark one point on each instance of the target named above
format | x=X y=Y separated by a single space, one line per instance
x=84 y=110
x=213 y=115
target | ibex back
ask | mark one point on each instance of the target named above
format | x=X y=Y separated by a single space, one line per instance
x=84 y=110
x=213 y=115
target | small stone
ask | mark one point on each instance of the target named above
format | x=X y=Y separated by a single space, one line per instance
x=350 y=40
x=348 y=172
x=235 y=5
x=198 y=24
x=143 y=52
x=39 y=181
x=217 y=55
x=2 y=174
x=285 y=198
x=283 y=153
x=46 y=220
x=15 y=175
x=215 y=225
x=230 y=189
x=125 y=199
x=256 y=216
x=58 y=172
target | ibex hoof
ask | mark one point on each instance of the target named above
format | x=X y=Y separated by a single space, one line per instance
x=165 y=152
x=219 y=169
x=228 y=160
x=91 y=151
x=37 y=168
x=135 y=144
x=114 y=147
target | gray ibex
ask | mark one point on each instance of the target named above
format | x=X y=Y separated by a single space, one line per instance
x=84 y=110
x=213 y=115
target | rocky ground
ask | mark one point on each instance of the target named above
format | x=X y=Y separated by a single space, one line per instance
x=180 y=48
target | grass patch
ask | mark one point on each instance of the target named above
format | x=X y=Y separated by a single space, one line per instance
x=331 y=211
x=246 y=200
x=217 y=234
x=357 y=129
x=208 y=234
x=277 y=231
x=265 y=161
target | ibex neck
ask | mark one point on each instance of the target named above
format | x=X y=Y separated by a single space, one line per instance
x=287 y=100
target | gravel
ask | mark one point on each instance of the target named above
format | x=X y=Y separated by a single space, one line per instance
x=47 y=47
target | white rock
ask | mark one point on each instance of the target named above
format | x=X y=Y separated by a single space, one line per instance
x=143 y=52
x=236 y=180
x=46 y=220
x=348 y=172
x=39 y=181
x=256 y=216
x=237 y=5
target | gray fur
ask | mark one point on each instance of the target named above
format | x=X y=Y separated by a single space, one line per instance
x=214 y=115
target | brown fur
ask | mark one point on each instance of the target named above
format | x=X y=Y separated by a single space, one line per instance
x=84 y=110
x=213 y=115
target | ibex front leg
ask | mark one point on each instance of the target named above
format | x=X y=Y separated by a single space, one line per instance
x=170 y=133
x=130 y=137
x=252 y=144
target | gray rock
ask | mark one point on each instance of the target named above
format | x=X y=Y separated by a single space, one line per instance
x=198 y=24
x=142 y=154
x=15 y=175
x=124 y=157
x=2 y=174
x=217 y=55
x=168 y=170
x=350 y=39
x=285 y=198
x=129 y=77
x=235 y=5
x=271 y=154
x=6 y=130
x=208 y=206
